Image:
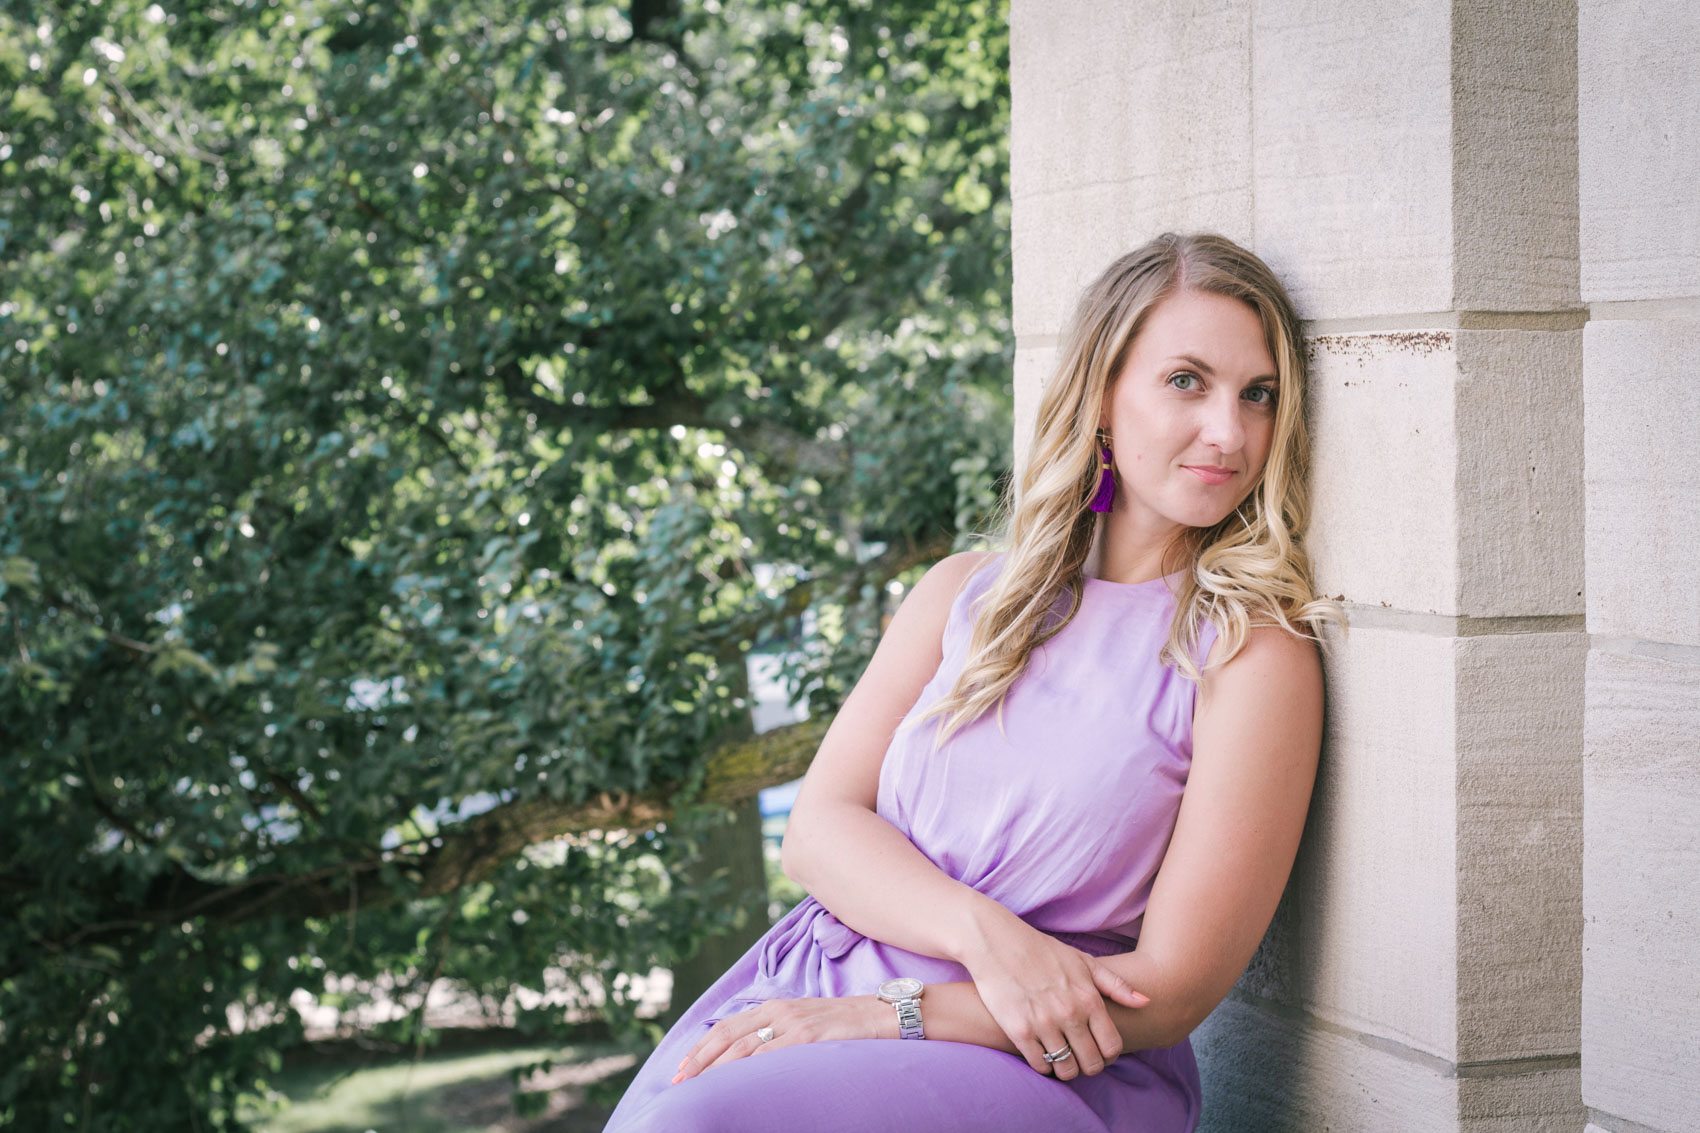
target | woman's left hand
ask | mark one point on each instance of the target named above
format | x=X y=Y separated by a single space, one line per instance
x=793 y=1021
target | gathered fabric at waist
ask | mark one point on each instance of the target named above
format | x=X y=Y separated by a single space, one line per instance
x=810 y=930
x=835 y=938
x=1093 y=943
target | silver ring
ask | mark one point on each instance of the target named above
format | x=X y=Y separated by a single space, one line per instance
x=765 y=1034
x=1061 y=1055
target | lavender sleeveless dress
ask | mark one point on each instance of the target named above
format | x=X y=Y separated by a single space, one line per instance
x=1064 y=822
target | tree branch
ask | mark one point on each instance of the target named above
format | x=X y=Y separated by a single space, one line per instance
x=772 y=445
x=469 y=851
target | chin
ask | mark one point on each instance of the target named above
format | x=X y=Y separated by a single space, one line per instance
x=1207 y=513
x=1201 y=517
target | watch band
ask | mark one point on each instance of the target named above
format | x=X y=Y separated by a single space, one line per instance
x=909 y=1019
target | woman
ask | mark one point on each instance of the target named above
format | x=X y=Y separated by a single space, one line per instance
x=986 y=816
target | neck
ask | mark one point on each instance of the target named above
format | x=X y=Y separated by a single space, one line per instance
x=1122 y=553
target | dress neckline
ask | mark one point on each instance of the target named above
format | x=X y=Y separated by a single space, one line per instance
x=1165 y=582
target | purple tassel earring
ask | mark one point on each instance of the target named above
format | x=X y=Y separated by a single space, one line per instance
x=1106 y=484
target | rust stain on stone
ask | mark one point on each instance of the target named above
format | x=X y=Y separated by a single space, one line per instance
x=1362 y=347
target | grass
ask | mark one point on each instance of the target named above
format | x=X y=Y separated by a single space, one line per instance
x=442 y=1093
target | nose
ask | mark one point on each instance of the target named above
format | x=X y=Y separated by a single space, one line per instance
x=1224 y=427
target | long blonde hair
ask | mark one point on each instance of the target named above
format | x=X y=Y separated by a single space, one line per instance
x=1251 y=565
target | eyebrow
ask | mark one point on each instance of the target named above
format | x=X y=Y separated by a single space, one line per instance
x=1201 y=364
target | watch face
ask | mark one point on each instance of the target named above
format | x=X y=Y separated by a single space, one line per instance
x=903 y=987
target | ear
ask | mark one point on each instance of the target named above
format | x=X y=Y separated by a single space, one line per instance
x=1104 y=406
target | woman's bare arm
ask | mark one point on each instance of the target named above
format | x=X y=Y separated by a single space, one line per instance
x=836 y=847
x=1257 y=735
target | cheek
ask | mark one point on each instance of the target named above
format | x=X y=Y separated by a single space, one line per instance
x=1261 y=433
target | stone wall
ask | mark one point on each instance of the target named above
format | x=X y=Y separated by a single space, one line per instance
x=1484 y=325
x=1640 y=237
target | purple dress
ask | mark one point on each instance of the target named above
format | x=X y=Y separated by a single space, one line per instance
x=1064 y=822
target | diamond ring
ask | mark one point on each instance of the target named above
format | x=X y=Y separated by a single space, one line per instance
x=1060 y=1055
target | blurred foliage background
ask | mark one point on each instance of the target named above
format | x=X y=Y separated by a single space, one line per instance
x=412 y=416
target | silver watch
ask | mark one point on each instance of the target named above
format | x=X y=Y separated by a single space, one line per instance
x=904 y=993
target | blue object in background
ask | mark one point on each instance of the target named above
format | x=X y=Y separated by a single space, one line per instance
x=778 y=800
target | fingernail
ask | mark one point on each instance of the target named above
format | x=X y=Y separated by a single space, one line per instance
x=682 y=1062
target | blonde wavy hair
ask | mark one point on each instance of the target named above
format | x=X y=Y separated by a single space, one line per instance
x=1249 y=569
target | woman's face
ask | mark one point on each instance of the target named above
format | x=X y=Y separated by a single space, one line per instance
x=1191 y=414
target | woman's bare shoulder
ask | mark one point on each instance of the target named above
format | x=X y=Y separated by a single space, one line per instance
x=945 y=579
x=847 y=766
x=963 y=563
x=1274 y=671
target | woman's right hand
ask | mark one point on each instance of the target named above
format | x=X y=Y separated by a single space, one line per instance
x=1045 y=993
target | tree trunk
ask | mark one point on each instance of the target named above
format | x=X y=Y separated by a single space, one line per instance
x=736 y=848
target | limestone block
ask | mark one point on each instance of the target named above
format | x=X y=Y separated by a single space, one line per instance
x=1384 y=524
x=1352 y=129
x=1519 y=479
x=1033 y=365
x=1528 y=1101
x=1519 y=844
x=1277 y=1072
x=1436 y=901
x=1375 y=883
x=1643 y=478
x=1061 y=243
x=1447 y=475
x=1641 y=890
x=1638 y=123
x=1125 y=120
x=1514 y=156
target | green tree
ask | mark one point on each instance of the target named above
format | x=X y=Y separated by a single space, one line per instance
x=411 y=415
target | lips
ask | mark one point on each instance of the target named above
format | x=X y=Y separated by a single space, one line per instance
x=1210 y=474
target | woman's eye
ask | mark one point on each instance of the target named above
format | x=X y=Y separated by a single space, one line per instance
x=1268 y=395
x=1176 y=378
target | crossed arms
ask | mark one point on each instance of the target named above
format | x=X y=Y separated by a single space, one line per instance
x=1257 y=730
